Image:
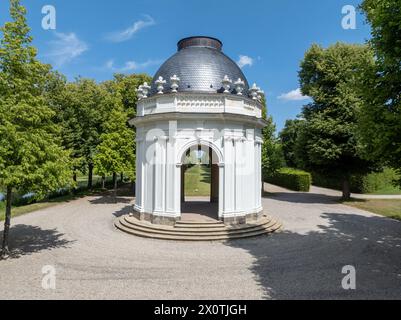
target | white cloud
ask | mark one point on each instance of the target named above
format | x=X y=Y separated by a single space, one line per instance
x=244 y=61
x=294 y=95
x=130 y=66
x=128 y=33
x=65 y=48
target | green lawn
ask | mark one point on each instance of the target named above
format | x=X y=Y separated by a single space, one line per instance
x=197 y=181
x=20 y=210
x=82 y=181
x=388 y=190
x=387 y=208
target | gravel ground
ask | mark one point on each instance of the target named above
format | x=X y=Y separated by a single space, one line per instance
x=93 y=260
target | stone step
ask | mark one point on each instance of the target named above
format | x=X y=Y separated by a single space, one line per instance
x=194 y=224
x=222 y=228
x=197 y=232
x=145 y=229
x=151 y=226
x=196 y=238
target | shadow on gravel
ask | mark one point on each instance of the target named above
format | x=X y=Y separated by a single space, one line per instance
x=303 y=197
x=109 y=199
x=125 y=194
x=26 y=239
x=291 y=265
x=124 y=211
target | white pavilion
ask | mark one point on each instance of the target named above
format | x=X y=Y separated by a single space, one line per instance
x=199 y=100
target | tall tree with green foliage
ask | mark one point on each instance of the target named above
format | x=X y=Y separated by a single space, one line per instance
x=81 y=110
x=288 y=137
x=380 y=121
x=31 y=158
x=115 y=153
x=126 y=86
x=327 y=142
x=272 y=157
x=58 y=96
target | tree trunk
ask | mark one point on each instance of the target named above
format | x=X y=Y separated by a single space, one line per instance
x=4 y=250
x=346 y=189
x=115 y=186
x=74 y=178
x=103 y=182
x=90 y=176
x=121 y=177
x=114 y=178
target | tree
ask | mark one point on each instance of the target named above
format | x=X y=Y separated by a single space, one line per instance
x=327 y=142
x=81 y=111
x=380 y=121
x=288 y=137
x=272 y=157
x=56 y=95
x=31 y=158
x=115 y=153
x=126 y=86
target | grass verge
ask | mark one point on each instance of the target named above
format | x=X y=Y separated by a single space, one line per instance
x=387 y=208
x=24 y=209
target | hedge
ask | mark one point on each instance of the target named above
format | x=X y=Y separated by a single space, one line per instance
x=292 y=179
x=369 y=183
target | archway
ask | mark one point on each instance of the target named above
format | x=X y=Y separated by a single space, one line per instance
x=200 y=181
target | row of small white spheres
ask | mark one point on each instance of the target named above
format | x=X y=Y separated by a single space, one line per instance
x=143 y=89
x=255 y=92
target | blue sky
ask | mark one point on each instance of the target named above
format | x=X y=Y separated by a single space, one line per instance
x=95 y=38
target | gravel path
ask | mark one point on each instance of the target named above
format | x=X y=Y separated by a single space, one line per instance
x=94 y=260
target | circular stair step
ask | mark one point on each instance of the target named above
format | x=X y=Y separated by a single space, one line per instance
x=196 y=231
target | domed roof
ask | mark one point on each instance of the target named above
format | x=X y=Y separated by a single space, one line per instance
x=201 y=66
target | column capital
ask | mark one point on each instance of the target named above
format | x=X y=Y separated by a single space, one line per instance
x=161 y=138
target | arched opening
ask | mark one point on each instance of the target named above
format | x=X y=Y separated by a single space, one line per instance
x=200 y=184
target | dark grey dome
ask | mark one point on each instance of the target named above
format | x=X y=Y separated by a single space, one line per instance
x=200 y=65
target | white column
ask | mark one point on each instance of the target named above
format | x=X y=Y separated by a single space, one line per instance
x=160 y=174
x=229 y=175
x=139 y=175
x=170 y=186
x=238 y=171
x=258 y=170
x=148 y=177
x=221 y=190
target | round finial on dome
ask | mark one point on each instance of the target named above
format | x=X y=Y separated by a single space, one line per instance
x=239 y=86
x=139 y=92
x=160 y=82
x=175 y=81
x=226 y=84
x=261 y=94
x=253 y=91
x=145 y=89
